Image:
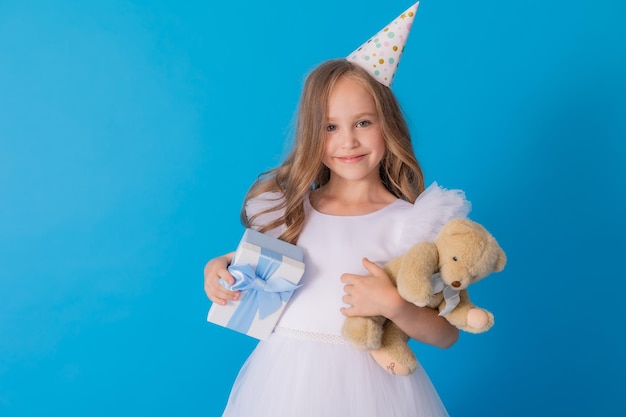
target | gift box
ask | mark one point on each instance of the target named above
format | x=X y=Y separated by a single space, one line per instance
x=266 y=271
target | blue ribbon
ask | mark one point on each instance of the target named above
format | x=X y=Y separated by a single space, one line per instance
x=450 y=294
x=262 y=294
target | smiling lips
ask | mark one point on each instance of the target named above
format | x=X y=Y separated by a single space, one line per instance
x=351 y=159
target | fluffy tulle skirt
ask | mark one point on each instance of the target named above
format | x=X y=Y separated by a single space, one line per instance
x=291 y=377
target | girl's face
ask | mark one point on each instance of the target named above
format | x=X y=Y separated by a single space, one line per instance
x=354 y=144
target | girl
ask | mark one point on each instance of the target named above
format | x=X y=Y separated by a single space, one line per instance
x=346 y=191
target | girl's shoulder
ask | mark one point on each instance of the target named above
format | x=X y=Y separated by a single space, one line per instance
x=263 y=201
x=259 y=210
x=433 y=208
x=448 y=203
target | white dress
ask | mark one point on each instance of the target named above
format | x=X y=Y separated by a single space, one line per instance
x=305 y=368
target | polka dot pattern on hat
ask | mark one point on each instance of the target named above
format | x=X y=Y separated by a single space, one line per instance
x=380 y=55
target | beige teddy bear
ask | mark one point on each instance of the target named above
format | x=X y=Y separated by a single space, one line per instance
x=435 y=275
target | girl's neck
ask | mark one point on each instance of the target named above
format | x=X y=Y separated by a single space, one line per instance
x=351 y=198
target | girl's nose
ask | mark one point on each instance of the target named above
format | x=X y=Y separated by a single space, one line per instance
x=349 y=140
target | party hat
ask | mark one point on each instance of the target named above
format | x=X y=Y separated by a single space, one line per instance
x=380 y=55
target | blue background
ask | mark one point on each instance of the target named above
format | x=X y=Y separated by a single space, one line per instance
x=130 y=131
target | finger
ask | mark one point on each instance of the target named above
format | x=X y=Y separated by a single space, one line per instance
x=217 y=300
x=348 y=288
x=349 y=311
x=224 y=293
x=213 y=296
x=348 y=278
x=222 y=296
x=217 y=292
x=226 y=276
x=372 y=268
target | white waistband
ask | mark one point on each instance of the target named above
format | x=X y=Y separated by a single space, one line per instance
x=311 y=336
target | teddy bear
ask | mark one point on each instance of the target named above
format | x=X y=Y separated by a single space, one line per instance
x=432 y=274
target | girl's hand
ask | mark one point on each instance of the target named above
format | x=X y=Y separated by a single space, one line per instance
x=214 y=270
x=375 y=295
x=370 y=295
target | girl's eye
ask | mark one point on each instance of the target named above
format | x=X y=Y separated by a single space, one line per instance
x=331 y=128
x=364 y=123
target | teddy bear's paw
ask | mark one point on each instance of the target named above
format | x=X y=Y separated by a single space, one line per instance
x=358 y=345
x=479 y=320
x=392 y=365
x=363 y=333
x=422 y=302
x=361 y=342
x=418 y=296
x=365 y=343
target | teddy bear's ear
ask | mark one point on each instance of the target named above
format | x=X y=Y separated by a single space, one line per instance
x=459 y=226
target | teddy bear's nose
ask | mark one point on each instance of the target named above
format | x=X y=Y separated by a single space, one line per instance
x=456 y=284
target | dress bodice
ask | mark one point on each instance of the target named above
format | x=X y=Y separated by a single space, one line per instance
x=334 y=245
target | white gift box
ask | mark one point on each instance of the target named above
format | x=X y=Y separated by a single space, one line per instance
x=266 y=271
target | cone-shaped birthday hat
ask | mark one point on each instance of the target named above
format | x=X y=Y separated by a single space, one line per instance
x=380 y=55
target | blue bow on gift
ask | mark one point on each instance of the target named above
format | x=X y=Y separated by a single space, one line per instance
x=263 y=294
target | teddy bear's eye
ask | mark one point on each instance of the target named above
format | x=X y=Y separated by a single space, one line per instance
x=454 y=258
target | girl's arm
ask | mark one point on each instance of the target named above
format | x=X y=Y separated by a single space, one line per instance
x=215 y=269
x=375 y=295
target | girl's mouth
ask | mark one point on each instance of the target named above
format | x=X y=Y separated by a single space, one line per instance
x=351 y=159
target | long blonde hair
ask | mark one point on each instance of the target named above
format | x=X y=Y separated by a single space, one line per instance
x=303 y=170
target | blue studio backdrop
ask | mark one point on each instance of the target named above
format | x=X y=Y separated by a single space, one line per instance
x=130 y=131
